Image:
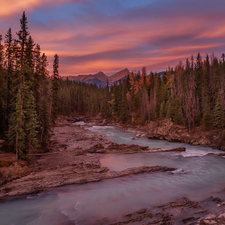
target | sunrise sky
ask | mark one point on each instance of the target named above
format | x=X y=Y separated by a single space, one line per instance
x=109 y=35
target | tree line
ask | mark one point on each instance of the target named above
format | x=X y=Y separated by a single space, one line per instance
x=191 y=94
x=28 y=94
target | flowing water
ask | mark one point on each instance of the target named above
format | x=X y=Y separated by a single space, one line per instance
x=197 y=176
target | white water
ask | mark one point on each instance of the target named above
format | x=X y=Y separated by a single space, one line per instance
x=197 y=177
x=79 y=123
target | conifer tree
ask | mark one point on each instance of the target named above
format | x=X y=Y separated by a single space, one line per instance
x=218 y=113
x=207 y=118
x=2 y=94
x=158 y=97
x=31 y=124
x=178 y=113
x=178 y=118
x=44 y=102
x=9 y=68
x=16 y=133
x=55 y=87
x=145 y=104
x=168 y=109
x=23 y=36
x=205 y=97
x=17 y=116
x=37 y=71
x=162 y=111
x=198 y=87
x=29 y=63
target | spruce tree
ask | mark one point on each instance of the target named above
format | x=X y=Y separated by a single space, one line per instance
x=162 y=111
x=168 y=109
x=55 y=87
x=178 y=112
x=205 y=97
x=198 y=72
x=16 y=133
x=207 y=118
x=2 y=94
x=178 y=118
x=31 y=124
x=218 y=113
x=44 y=102
x=23 y=37
x=29 y=64
x=9 y=68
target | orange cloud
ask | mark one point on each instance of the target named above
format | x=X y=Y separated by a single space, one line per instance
x=107 y=66
x=98 y=35
x=9 y=7
x=217 y=31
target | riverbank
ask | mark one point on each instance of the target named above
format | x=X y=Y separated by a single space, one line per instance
x=73 y=158
x=167 y=130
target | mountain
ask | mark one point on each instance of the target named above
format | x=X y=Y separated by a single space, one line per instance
x=119 y=75
x=100 y=79
x=101 y=76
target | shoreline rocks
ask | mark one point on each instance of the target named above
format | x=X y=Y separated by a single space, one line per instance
x=179 y=211
x=166 y=130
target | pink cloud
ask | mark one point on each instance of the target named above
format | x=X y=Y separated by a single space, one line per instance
x=90 y=38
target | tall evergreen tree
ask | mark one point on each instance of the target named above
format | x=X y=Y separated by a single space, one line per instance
x=2 y=94
x=44 y=104
x=23 y=37
x=198 y=72
x=9 y=68
x=205 y=96
x=31 y=124
x=55 y=87
x=218 y=113
x=16 y=133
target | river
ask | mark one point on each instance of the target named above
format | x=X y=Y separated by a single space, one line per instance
x=197 y=177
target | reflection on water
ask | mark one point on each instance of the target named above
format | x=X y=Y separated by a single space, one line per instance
x=197 y=177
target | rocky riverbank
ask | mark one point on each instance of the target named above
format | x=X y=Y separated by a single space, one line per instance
x=70 y=161
x=180 y=211
x=166 y=130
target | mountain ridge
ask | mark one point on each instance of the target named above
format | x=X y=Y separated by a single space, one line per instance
x=100 y=79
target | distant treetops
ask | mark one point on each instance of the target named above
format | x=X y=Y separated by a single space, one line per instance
x=28 y=95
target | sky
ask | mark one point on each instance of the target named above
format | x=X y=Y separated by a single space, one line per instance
x=110 y=35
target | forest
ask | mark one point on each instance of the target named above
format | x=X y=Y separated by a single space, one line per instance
x=28 y=93
x=191 y=94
